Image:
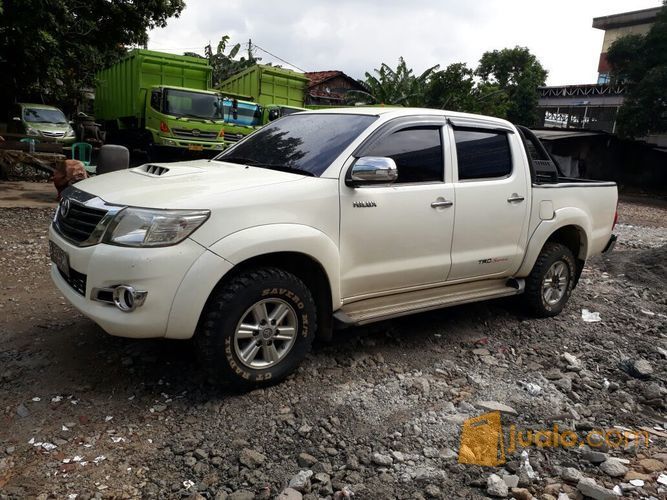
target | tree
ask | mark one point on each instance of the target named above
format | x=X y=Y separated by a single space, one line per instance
x=399 y=86
x=518 y=73
x=224 y=65
x=451 y=88
x=640 y=62
x=51 y=49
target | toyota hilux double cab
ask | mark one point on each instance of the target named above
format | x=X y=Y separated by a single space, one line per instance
x=322 y=219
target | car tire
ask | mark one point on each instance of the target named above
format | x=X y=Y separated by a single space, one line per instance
x=551 y=281
x=257 y=329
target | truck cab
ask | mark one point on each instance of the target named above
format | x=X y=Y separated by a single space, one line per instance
x=197 y=120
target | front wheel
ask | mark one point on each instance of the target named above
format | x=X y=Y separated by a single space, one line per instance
x=551 y=281
x=257 y=328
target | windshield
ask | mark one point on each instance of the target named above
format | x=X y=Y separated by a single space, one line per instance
x=41 y=115
x=209 y=107
x=306 y=142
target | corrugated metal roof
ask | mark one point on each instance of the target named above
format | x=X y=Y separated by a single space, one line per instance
x=554 y=135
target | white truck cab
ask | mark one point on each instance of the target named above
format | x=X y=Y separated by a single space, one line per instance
x=344 y=216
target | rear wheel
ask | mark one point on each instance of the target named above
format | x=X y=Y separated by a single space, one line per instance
x=257 y=328
x=551 y=281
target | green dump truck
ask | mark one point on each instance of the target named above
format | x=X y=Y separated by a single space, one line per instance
x=278 y=91
x=163 y=104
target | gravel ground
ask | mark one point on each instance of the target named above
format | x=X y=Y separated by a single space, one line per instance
x=375 y=414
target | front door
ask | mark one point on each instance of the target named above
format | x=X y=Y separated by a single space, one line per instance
x=399 y=236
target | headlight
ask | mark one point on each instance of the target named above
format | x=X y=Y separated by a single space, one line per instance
x=32 y=131
x=139 y=227
x=70 y=132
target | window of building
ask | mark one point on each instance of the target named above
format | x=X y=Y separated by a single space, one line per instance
x=482 y=154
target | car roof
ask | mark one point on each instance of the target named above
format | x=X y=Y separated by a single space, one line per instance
x=37 y=106
x=397 y=112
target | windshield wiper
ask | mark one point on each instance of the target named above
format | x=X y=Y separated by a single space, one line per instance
x=270 y=166
x=189 y=115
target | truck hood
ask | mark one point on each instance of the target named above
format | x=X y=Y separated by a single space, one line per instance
x=190 y=184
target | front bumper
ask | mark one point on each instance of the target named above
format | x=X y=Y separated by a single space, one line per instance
x=610 y=244
x=159 y=271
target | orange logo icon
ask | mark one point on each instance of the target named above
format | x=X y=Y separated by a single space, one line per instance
x=482 y=441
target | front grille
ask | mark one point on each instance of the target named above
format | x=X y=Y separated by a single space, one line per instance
x=76 y=280
x=194 y=134
x=232 y=138
x=53 y=134
x=79 y=221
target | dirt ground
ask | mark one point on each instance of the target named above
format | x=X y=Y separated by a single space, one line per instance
x=376 y=414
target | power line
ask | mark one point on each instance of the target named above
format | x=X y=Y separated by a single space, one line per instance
x=279 y=58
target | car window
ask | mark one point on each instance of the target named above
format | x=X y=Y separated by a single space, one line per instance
x=308 y=142
x=482 y=154
x=417 y=152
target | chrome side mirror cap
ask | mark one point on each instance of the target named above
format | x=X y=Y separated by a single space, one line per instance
x=373 y=170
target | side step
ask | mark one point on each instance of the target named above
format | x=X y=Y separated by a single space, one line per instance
x=401 y=304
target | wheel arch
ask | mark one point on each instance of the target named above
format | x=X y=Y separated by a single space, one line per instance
x=570 y=229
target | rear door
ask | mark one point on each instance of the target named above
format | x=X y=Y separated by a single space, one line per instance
x=492 y=187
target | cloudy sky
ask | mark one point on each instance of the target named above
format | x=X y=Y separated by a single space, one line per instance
x=356 y=36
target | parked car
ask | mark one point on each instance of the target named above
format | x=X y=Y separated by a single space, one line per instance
x=41 y=121
x=346 y=217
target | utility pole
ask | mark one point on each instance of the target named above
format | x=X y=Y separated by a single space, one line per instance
x=249 y=49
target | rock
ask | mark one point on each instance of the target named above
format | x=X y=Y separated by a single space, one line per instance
x=289 y=494
x=190 y=461
x=553 y=374
x=251 y=458
x=652 y=465
x=241 y=495
x=322 y=483
x=481 y=352
x=643 y=368
x=511 y=480
x=383 y=460
x=571 y=362
x=431 y=452
x=521 y=494
x=613 y=467
x=496 y=487
x=200 y=454
x=398 y=456
x=590 y=488
x=563 y=496
x=632 y=475
x=432 y=491
x=564 y=383
x=22 y=411
x=495 y=406
x=594 y=457
x=301 y=481
x=652 y=391
x=306 y=460
x=571 y=475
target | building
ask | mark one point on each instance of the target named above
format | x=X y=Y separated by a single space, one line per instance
x=594 y=106
x=329 y=88
x=638 y=22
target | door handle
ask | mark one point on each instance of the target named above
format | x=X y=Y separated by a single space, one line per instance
x=443 y=203
x=515 y=198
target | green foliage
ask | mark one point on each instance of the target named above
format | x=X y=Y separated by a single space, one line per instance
x=640 y=62
x=503 y=85
x=399 y=86
x=224 y=65
x=51 y=49
x=518 y=73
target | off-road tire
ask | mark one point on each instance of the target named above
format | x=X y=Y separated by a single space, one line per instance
x=533 y=296
x=226 y=308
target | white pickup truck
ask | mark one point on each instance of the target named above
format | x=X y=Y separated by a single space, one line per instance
x=323 y=218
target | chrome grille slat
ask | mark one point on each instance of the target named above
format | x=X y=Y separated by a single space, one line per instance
x=183 y=132
x=79 y=222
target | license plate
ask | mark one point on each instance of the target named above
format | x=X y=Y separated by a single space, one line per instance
x=195 y=147
x=59 y=258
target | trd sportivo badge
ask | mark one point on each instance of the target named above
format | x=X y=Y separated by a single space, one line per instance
x=364 y=204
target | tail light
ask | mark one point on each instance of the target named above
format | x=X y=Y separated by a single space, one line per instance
x=222 y=133
x=164 y=127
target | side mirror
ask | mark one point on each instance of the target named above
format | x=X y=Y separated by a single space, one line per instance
x=16 y=119
x=372 y=170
